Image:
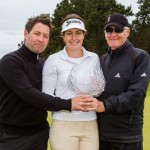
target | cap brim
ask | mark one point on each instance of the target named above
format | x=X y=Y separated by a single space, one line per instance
x=114 y=24
x=73 y=27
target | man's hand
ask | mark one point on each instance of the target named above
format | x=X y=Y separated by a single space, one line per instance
x=97 y=106
x=82 y=102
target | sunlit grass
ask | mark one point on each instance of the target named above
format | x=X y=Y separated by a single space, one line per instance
x=49 y=118
x=146 y=130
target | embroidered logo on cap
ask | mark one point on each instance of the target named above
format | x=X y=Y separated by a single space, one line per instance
x=72 y=21
x=108 y=19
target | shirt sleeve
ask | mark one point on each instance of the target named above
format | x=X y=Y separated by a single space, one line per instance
x=13 y=74
x=49 y=77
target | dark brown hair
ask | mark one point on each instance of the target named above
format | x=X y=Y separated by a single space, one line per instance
x=70 y=16
x=42 y=18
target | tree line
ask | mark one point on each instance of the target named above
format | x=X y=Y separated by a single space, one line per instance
x=94 y=13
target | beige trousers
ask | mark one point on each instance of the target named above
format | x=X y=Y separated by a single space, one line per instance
x=74 y=135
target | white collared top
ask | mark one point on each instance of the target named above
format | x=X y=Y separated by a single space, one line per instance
x=56 y=71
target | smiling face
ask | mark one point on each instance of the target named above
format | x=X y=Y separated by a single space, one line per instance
x=37 y=39
x=115 y=40
x=73 y=39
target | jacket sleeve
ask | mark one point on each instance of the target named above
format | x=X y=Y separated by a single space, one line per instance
x=137 y=88
x=14 y=76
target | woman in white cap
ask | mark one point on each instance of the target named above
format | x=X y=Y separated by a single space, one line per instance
x=70 y=72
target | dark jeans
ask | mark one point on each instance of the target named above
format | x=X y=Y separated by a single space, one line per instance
x=18 y=142
x=120 y=146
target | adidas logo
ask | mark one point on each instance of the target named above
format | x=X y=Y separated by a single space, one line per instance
x=143 y=75
x=117 y=75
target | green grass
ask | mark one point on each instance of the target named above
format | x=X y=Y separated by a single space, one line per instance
x=50 y=121
x=146 y=130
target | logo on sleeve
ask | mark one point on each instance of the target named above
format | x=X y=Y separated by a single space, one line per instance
x=143 y=75
x=117 y=75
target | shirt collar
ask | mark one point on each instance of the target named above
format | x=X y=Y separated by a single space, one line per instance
x=64 y=54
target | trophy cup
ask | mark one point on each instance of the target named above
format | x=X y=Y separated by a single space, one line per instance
x=87 y=80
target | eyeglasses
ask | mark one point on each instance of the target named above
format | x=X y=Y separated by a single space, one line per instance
x=110 y=30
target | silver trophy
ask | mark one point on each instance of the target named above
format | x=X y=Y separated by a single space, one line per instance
x=87 y=80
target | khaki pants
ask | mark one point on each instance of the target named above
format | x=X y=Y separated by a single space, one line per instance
x=74 y=135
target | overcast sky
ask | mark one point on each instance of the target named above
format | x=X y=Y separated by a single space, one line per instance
x=14 y=14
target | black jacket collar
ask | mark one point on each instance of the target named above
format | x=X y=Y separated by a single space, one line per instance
x=119 y=50
x=28 y=53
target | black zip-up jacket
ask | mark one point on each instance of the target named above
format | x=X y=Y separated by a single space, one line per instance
x=127 y=74
x=23 y=107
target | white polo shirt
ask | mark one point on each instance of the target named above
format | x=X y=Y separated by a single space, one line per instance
x=56 y=71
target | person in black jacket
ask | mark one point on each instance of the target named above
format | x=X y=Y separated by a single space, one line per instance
x=23 y=107
x=127 y=73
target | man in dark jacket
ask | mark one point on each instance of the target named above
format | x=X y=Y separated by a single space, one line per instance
x=23 y=107
x=127 y=73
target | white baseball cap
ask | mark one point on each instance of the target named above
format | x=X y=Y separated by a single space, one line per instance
x=73 y=23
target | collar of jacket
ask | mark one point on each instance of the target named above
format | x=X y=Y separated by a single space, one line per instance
x=119 y=50
x=28 y=53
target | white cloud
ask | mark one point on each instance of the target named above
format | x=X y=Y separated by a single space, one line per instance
x=14 y=15
x=132 y=3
